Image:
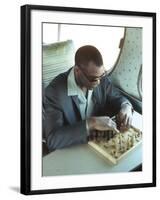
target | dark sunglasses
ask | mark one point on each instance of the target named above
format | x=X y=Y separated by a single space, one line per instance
x=93 y=79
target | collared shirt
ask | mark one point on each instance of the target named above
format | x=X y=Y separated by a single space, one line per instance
x=86 y=103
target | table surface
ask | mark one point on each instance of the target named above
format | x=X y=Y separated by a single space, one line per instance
x=82 y=159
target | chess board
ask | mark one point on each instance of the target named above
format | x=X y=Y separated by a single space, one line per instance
x=114 y=146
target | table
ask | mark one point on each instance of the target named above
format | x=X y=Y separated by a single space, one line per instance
x=82 y=159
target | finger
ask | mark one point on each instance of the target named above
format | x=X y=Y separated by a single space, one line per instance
x=113 y=118
x=120 y=119
x=130 y=121
x=113 y=124
x=125 y=121
x=116 y=130
x=122 y=116
x=123 y=127
x=128 y=124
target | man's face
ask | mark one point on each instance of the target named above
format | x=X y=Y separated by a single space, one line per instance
x=89 y=76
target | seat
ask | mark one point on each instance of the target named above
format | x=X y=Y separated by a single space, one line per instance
x=57 y=58
x=127 y=72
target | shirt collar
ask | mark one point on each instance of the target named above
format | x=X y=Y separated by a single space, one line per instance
x=73 y=88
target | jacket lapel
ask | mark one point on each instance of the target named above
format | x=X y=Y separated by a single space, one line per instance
x=76 y=102
x=71 y=109
x=96 y=96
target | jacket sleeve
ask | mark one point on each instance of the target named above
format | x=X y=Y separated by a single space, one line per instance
x=58 y=133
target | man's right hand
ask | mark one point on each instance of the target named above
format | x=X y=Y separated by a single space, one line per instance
x=102 y=123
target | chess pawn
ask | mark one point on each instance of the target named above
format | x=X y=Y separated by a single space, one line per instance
x=94 y=136
x=116 y=154
x=98 y=136
x=113 y=152
x=123 y=146
x=119 y=136
x=133 y=140
x=129 y=143
x=110 y=143
x=138 y=134
x=103 y=135
x=117 y=144
x=108 y=135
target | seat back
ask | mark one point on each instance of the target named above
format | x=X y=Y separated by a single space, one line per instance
x=57 y=58
x=127 y=70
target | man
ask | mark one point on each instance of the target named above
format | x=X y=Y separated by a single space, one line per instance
x=82 y=100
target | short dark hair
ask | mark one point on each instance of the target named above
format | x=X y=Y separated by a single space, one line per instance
x=86 y=54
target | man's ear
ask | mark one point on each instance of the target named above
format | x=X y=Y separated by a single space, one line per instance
x=76 y=69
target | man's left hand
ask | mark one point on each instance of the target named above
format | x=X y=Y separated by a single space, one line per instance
x=124 y=117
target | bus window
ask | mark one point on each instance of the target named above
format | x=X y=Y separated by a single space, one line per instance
x=105 y=38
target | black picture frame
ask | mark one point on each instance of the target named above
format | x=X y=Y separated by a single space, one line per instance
x=26 y=86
